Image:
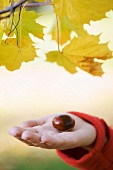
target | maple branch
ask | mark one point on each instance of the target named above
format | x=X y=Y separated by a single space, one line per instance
x=12 y=8
x=37 y=4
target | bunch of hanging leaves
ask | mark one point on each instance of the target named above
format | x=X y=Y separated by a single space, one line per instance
x=16 y=22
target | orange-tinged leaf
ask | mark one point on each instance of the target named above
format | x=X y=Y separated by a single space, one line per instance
x=90 y=66
x=11 y=56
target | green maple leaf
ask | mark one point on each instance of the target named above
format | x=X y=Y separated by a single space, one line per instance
x=28 y=24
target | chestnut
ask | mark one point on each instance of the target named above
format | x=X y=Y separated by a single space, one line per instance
x=63 y=122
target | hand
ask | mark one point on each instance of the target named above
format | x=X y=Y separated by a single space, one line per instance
x=41 y=133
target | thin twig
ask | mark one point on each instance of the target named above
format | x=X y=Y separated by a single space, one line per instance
x=8 y=9
x=37 y=4
x=17 y=22
x=21 y=3
x=15 y=26
x=11 y=9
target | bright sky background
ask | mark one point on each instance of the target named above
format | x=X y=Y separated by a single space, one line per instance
x=41 y=88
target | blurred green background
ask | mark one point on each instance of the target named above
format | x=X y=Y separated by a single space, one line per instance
x=33 y=161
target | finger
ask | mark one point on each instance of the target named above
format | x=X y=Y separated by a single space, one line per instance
x=31 y=137
x=29 y=123
x=16 y=131
x=45 y=129
x=32 y=123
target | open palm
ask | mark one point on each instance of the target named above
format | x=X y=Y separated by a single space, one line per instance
x=41 y=133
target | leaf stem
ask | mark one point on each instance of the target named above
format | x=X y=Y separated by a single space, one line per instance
x=58 y=34
x=21 y=25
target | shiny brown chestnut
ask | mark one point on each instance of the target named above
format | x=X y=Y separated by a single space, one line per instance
x=63 y=122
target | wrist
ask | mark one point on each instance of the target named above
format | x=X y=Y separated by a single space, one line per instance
x=88 y=148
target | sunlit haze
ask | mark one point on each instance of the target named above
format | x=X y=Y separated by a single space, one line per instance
x=39 y=87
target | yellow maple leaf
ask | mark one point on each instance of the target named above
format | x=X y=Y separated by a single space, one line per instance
x=81 y=52
x=61 y=60
x=14 y=51
x=80 y=12
x=87 y=46
x=22 y=27
x=12 y=56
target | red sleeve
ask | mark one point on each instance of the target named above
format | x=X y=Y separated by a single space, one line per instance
x=100 y=157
